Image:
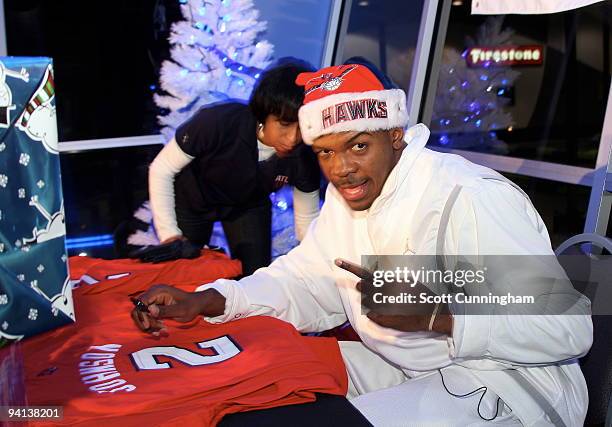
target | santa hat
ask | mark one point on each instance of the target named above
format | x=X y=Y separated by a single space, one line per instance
x=349 y=97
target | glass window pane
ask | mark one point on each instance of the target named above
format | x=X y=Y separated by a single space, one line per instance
x=105 y=60
x=532 y=87
x=296 y=27
x=386 y=33
x=95 y=197
x=563 y=207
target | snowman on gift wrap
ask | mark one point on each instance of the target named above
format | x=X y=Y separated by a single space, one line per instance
x=60 y=302
x=6 y=96
x=55 y=228
x=38 y=119
x=55 y=224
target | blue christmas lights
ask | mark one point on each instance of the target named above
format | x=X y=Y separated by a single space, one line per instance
x=282 y=205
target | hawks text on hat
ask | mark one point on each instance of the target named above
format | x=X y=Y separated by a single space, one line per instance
x=348 y=98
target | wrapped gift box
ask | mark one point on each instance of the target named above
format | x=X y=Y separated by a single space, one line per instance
x=35 y=291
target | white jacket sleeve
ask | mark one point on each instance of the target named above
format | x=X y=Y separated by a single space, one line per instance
x=305 y=210
x=298 y=288
x=535 y=338
x=170 y=160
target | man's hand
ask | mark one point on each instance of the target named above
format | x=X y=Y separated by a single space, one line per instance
x=166 y=302
x=413 y=318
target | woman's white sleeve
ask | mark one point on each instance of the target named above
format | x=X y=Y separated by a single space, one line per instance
x=170 y=161
x=305 y=210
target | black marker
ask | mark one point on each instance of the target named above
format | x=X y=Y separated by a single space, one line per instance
x=140 y=306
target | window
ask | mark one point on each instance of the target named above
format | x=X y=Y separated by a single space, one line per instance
x=386 y=33
x=106 y=61
x=103 y=188
x=297 y=27
x=532 y=87
x=563 y=207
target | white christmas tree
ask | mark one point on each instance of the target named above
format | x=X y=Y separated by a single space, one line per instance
x=469 y=105
x=216 y=55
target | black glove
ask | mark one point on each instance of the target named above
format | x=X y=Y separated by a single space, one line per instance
x=167 y=252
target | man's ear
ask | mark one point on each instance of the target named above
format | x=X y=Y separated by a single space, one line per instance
x=397 y=138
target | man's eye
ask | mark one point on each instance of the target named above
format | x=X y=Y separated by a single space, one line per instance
x=359 y=146
x=322 y=153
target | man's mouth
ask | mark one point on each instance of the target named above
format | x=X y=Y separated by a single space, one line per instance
x=353 y=192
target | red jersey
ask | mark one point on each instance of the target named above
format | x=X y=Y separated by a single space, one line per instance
x=102 y=370
x=128 y=276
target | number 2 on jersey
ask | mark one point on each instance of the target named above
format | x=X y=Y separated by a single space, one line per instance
x=223 y=348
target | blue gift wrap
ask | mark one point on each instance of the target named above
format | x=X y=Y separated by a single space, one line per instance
x=35 y=291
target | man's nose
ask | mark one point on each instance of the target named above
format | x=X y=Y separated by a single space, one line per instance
x=343 y=166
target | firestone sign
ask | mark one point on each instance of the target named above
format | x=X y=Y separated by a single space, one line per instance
x=483 y=56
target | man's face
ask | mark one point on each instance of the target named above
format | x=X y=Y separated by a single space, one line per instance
x=358 y=163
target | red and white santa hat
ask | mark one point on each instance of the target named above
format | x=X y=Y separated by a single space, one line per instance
x=348 y=98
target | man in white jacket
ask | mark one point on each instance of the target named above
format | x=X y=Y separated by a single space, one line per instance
x=389 y=195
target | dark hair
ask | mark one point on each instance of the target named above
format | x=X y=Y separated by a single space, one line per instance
x=384 y=79
x=276 y=92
